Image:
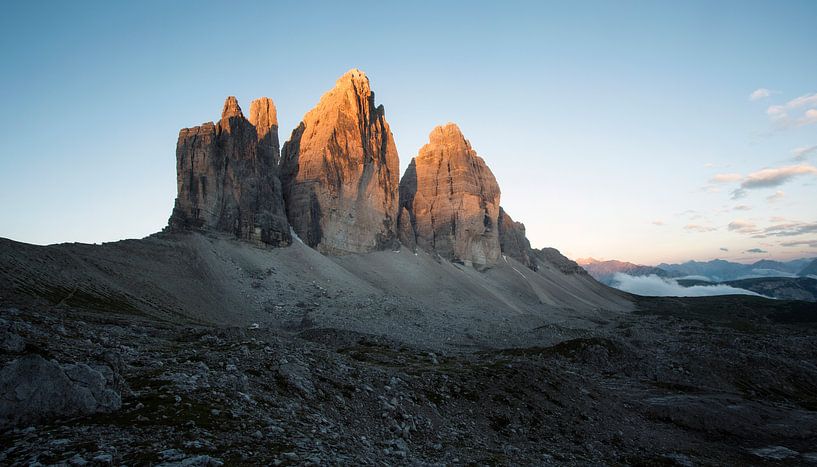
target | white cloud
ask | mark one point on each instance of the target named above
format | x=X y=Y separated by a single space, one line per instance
x=777 y=196
x=698 y=228
x=809 y=118
x=658 y=222
x=800 y=154
x=655 y=286
x=742 y=207
x=725 y=178
x=780 y=114
x=806 y=100
x=767 y=178
x=742 y=226
x=758 y=94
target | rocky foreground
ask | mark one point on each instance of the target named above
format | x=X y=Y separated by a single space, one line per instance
x=662 y=386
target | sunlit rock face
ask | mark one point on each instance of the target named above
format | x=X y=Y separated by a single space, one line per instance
x=341 y=173
x=513 y=242
x=227 y=177
x=453 y=200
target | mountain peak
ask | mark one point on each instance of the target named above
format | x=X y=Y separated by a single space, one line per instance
x=231 y=108
x=263 y=114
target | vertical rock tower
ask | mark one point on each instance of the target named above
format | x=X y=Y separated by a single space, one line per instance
x=452 y=199
x=340 y=172
x=227 y=177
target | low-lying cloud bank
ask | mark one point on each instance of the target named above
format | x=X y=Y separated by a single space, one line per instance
x=655 y=286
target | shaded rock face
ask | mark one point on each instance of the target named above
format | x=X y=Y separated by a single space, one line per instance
x=453 y=200
x=513 y=242
x=227 y=176
x=340 y=172
x=33 y=389
x=405 y=232
x=561 y=262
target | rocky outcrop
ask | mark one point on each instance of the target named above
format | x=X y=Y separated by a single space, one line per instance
x=227 y=176
x=33 y=389
x=513 y=242
x=340 y=172
x=405 y=231
x=453 y=200
x=553 y=257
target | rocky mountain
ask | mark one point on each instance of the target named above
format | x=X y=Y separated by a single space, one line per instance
x=340 y=172
x=227 y=176
x=513 y=242
x=193 y=349
x=452 y=200
x=810 y=270
x=719 y=270
x=782 y=288
x=604 y=271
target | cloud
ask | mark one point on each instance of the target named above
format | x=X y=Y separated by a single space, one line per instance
x=724 y=249
x=742 y=207
x=806 y=100
x=808 y=243
x=738 y=193
x=726 y=178
x=658 y=222
x=808 y=118
x=755 y=250
x=801 y=153
x=780 y=114
x=698 y=228
x=742 y=226
x=758 y=94
x=777 y=196
x=789 y=229
x=655 y=286
x=767 y=178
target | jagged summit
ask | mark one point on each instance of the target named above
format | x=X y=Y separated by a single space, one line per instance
x=448 y=134
x=231 y=108
x=340 y=172
x=227 y=176
x=336 y=183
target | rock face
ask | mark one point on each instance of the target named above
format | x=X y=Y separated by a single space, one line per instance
x=340 y=172
x=453 y=200
x=227 y=176
x=558 y=260
x=513 y=242
x=33 y=389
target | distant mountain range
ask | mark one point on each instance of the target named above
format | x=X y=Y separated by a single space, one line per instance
x=603 y=271
x=719 y=270
x=810 y=270
x=790 y=280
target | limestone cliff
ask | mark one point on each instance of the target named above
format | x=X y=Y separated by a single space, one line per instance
x=227 y=176
x=453 y=200
x=340 y=172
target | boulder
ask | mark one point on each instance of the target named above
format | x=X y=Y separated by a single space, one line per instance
x=33 y=390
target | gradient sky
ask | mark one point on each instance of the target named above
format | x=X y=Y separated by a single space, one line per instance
x=615 y=129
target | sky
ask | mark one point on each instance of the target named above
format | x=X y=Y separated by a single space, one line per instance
x=641 y=131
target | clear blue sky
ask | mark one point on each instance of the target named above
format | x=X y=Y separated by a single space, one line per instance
x=606 y=123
